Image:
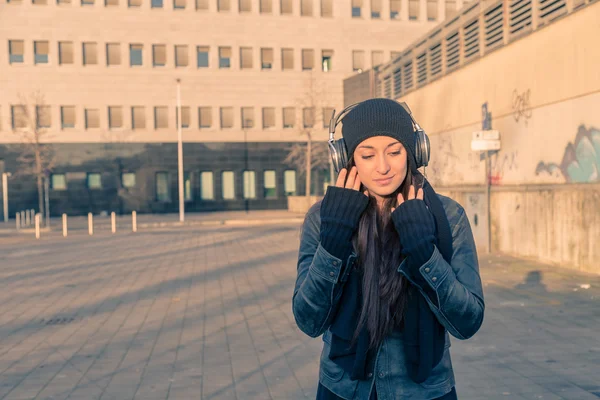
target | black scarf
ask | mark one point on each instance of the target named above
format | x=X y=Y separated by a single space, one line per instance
x=424 y=336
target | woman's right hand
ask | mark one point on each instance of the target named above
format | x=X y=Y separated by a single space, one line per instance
x=352 y=182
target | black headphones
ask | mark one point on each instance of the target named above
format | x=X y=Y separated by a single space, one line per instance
x=339 y=153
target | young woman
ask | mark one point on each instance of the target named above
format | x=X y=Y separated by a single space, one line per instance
x=386 y=270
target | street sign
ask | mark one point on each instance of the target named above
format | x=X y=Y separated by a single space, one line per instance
x=485 y=140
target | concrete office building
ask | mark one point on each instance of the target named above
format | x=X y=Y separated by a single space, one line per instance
x=98 y=79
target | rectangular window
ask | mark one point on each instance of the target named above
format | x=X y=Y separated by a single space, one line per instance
x=356 y=8
x=395 y=6
x=413 y=10
x=90 y=54
x=395 y=54
x=185 y=117
x=266 y=57
x=67 y=117
x=327 y=8
x=289 y=182
x=375 y=9
x=358 y=61
x=19 y=116
x=224 y=57
x=327 y=112
x=113 y=54
x=270 y=187
x=39 y=2
x=287 y=59
x=163 y=192
x=308 y=117
x=228 y=182
x=207 y=187
x=286 y=7
x=135 y=54
x=94 y=181
x=109 y=3
x=247 y=117
x=376 y=58
x=156 y=4
x=128 y=179
x=16 y=49
x=60 y=2
x=159 y=55
x=326 y=60
x=115 y=117
x=223 y=5
x=179 y=4
x=161 y=117
x=43 y=116
x=245 y=57
x=58 y=182
x=87 y=2
x=202 y=5
x=268 y=117
x=181 y=56
x=245 y=5
x=188 y=194
x=432 y=10
x=289 y=117
x=92 y=118
x=138 y=117
x=266 y=6
x=134 y=3
x=40 y=50
x=306 y=8
x=226 y=117
x=202 y=56
x=204 y=117
x=450 y=8
x=249 y=185
x=308 y=59
x=65 y=53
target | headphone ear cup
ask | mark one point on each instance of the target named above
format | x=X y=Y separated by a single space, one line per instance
x=339 y=156
x=422 y=148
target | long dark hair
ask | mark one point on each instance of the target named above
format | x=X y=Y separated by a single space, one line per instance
x=384 y=290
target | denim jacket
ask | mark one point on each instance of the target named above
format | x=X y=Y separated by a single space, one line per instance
x=455 y=296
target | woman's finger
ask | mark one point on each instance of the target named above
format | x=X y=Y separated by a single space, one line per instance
x=357 y=182
x=341 y=178
x=420 y=194
x=351 y=178
x=366 y=193
x=411 y=192
x=400 y=199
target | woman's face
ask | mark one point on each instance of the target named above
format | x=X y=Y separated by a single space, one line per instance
x=381 y=162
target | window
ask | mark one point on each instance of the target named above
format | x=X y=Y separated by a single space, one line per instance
x=306 y=8
x=156 y=4
x=266 y=57
x=16 y=51
x=450 y=8
x=39 y=2
x=113 y=54
x=65 y=53
x=289 y=117
x=228 y=185
x=326 y=8
x=432 y=10
x=188 y=194
x=376 y=58
x=375 y=9
x=287 y=59
x=90 y=54
x=138 y=117
x=115 y=117
x=43 y=116
x=249 y=185
x=163 y=192
x=245 y=6
x=19 y=116
x=135 y=54
x=413 y=10
x=92 y=118
x=87 y=2
x=358 y=61
x=395 y=54
x=207 y=186
x=202 y=56
x=128 y=179
x=270 y=188
x=226 y=117
x=204 y=117
x=289 y=182
x=134 y=3
x=224 y=57
x=181 y=56
x=94 y=181
x=40 y=50
x=327 y=112
x=356 y=8
x=111 y=2
x=286 y=7
x=223 y=5
x=308 y=59
x=326 y=57
x=161 y=117
x=268 y=117
x=159 y=55
x=179 y=4
x=266 y=6
x=395 y=9
x=308 y=117
x=247 y=117
x=185 y=117
x=246 y=57
x=67 y=117
x=14 y=1
x=58 y=182
x=202 y=5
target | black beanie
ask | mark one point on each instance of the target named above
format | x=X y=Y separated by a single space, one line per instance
x=379 y=117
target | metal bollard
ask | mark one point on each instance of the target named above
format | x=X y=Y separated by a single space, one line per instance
x=134 y=221
x=18 y=220
x=64 y=219
x=90 y=224
x=37 y=226
x=23 y=218
x=113 y=222
x=27 y=217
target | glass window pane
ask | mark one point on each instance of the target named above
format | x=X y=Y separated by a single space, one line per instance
x=90 y=54
x=224 y=57
x=202 y=56
x=247 y=117
x=159 y=55
x=16 y=49
x=268 y=117
x=289 y=117
x=287 y=58
x=161 y=117
x=226 y=117
x=326 y=60
x=308 y=117
x=223 y=5
x=138 y=117
x=94 y=181
x=246 y=57
x=266 y=58
x=43 y=116
x=179 y=4
x=113 y=54
x=286 y=6
x=207 y=186
x=289 y=179
x=249 y=185
x=228 y=185
x=308 y=59
x=306 y=8
x=245 y=5
x=128 y=179
x=201 y=4
x=40 y=52
x=92 y=118
x=58 y=182
x=115 y=117
x=205 y=117
x=187 y=186
x=181 y=56
x=266 y=6
x=162 y=187
x=135 y=54
x=157 y=3
x=67 y=116
x=326 y=8
x=270 y=185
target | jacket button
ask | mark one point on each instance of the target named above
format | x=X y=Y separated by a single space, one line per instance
x=427 y=269
x=331 y=273
x=434 y=279
x=370 y=375
x=335 y=262
x=381 y=374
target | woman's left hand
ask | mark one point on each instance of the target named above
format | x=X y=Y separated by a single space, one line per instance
x=411 y=196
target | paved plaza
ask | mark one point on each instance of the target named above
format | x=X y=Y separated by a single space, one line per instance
x=204 y=312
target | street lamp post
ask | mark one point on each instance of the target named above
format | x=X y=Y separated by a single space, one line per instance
x=5 y=176
x=247 y=124
x=180 y=155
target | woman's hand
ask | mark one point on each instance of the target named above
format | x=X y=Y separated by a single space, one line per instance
x=353 y=181
x=411 y=196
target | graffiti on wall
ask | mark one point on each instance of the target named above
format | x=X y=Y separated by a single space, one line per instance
x=502 y=163
x=521 y=106
x=581 y=160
